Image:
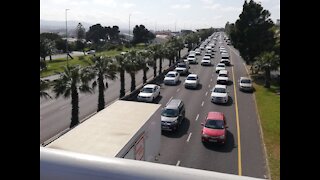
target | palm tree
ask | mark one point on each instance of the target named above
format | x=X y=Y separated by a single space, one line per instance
x=161 y=55
x=70 y=82
x=153 y=57
x=121 y=69
x=104 y=68
x=132 y=66
x=144 y=57
x=267 y=61
x=170 y=53
x=44 y=85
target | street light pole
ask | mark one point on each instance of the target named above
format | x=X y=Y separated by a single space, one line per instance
x=129 y=26
x=67 y=37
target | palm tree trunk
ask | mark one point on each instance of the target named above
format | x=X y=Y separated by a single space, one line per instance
x=160 y=66
x=101 y=102
x=170 y=62
x=133 y=81
x=155 y=67
x=75 y=106
x=144 y=75
x=267 y=78
x=122 y=88
x=179 y=54
x=50 y=57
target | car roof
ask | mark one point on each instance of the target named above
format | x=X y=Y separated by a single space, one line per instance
x=220 y=86
x=215 y=115
x=223 y=71
x=221 y=64
x=174 y=103
x=192 y=75
x=150 y=86
x=172 y=72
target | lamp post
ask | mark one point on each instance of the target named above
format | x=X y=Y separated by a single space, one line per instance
x=67 y=37
x=129 y=26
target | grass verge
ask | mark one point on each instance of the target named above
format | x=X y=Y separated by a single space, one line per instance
x=268 y=102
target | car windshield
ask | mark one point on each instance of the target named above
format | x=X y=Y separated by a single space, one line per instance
x=171 y=75
x=169 y=113
x=214 y=124
x=220 y=65
x=246 y=81
x=181 y=65
x=191 y=56
x=147 y=90
x=223 y=75
x=191 y=78
x=219 y=90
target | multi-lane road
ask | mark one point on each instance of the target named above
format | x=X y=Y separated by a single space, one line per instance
x=243 y=153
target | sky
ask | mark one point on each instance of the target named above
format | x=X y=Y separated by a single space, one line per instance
x=154 y=14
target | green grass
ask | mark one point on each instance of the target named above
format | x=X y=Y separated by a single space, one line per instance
x=268 y=103
x=56 y=66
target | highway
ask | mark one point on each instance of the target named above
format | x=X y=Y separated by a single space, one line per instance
x=243 y=153
x=55 y=114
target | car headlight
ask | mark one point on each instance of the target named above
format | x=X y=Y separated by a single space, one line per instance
x=175 y=121
x=221 y=137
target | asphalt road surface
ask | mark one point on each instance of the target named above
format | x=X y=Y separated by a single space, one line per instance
x=243 y=153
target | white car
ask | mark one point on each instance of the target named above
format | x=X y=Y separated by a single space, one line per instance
x=219 y=94
x=225 y=61
x=192 y=81
x=245 y=84
x=220 y=66
x=149 y=93
x=192 y=58
x=206 y=61
x=172 y=77
x=198 y=51
x=182 y=68
x=223 y=77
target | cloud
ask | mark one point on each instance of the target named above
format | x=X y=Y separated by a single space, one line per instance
x=179 y=6
x=207 y=1
x=276 y=7
x=230 y=9
x=128 y=5
x=213 y=7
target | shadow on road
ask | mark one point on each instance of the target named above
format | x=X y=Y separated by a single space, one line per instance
x=227 y=147
x=182 y=130
x=199 y=87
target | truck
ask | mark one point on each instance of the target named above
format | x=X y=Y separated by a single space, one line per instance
x=124 y=129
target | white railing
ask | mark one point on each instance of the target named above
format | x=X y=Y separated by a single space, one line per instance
x=59 y=164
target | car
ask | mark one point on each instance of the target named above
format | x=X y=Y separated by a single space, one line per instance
x=149 y=93
x=206 y=61
x=91 y=51
x=219 y=94
x=208 y=54
x=245 y=84
x=172 y=115
x=225 y=61
x=223 y=77
x=172 y=77
x=214 y=128
x=197 y=51
x=192 y=58
x=192 y=81
x=182 y=68
x=220 y=66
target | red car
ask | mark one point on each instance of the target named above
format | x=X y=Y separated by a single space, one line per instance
x=214 y=128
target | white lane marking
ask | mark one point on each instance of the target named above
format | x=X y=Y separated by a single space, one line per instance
x=244 y=64
x=209 y=85
x=197 y=117
x=206 y=93
x=170 y=99
x=178 y=90
x=212 y=75
x=189 y=137
x=211 y=79
x=178 y=163
x=202 y=103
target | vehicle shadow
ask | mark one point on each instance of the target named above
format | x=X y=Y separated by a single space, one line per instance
x=248 y=92
x=229 y=83
x=182 y=130
x=199 y=87
x=157 y=100
x=227 y=147
x=179 y=82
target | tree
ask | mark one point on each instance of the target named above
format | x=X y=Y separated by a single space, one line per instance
x=144 y=57
x=44 y=85
x=142 y=35
x=121 y=67
x=70 y=82
x=153 y=51
x=44 y=48
x=267 y=61
x=104 y=68
x=95 y=33
x=81 y=32
x=113 y=33
x=169 y=52
x=252 y=32
x=132 y=66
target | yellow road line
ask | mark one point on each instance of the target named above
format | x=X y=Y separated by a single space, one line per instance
x=238 y=125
